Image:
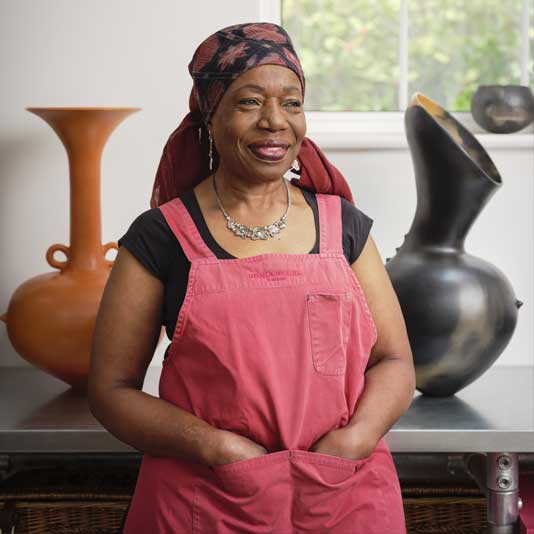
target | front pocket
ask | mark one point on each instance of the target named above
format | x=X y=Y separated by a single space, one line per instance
x=335 y=495
x=245 y=496
x=329 y=316
x=285 y=491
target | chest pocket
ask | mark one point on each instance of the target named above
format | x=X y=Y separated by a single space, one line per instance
x=329 y=318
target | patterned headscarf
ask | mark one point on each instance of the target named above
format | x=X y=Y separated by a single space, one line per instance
x=216 y=63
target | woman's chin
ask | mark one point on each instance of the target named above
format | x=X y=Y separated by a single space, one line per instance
x=272 y=173
x=270 y=169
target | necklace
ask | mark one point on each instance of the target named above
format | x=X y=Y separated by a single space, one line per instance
x=254 y=232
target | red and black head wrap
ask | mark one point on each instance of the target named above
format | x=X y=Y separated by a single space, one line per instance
x=216 y=63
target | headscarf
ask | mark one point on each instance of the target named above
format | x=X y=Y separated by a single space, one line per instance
x=216 y=63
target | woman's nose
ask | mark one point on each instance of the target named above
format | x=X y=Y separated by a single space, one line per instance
x=273 y=117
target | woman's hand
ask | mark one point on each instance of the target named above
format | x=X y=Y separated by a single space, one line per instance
x=234 y=447
x=344 y=442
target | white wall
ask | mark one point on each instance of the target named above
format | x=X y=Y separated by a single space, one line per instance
x=135 y=53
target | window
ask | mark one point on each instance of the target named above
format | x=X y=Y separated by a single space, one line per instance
x=372 y=55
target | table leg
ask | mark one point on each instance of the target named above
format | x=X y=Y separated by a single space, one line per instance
x=497 y=476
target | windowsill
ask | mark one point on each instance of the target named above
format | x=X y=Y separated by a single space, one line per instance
x=361 y=140
x=385 y=131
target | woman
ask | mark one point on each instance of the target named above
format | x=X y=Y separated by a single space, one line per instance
x=289 y=358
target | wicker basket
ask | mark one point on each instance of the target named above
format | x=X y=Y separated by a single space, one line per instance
x=70 y=516
x=49 y=500
x=447 y=510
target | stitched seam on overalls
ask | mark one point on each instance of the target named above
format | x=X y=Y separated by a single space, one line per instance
x=196 y=509
x=315 y=336
x=259 y=463
x=259 y=257
x=210 y=290
x=186 y=304
x=200 y=290
x=312 y=460
x=346 y=343
x=191 y=232
x=322 y=208
x=200 y=244
x=363 y=301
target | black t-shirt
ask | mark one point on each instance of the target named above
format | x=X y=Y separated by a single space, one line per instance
x=153 y=243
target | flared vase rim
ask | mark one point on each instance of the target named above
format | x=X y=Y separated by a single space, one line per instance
x=416 y=100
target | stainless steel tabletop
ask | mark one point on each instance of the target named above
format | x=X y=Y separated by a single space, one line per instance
x=39 y=413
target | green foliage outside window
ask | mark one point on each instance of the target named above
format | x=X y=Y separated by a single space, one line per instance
x=350 y=50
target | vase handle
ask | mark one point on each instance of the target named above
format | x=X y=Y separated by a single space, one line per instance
x=50 y=256
x=105 y=248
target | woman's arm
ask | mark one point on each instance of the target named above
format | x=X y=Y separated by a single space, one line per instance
x=125 y=337
x=390 y=373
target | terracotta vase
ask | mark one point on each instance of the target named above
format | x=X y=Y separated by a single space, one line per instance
x=460 y=310
x=50 y=318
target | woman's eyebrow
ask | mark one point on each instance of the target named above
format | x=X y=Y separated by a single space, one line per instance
x=259 y=88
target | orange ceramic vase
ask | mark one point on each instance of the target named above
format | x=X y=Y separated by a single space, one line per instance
x=51 y=317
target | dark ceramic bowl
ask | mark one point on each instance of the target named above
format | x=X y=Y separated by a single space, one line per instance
x=503 y=108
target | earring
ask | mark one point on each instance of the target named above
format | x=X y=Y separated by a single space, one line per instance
x=211 y=151
x=295 y=167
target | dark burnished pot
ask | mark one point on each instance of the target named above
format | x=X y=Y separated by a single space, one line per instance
x=460 y=310
x=503 y=108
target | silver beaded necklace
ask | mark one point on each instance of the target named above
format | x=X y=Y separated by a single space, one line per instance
x=254 y=232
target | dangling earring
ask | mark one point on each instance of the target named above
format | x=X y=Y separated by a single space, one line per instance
x=293 y=173
x=211 y=151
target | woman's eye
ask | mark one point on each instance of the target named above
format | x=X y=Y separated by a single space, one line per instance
x=291 y=103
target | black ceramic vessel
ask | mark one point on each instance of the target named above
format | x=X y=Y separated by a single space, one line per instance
x=460 y=310
x=503 y=108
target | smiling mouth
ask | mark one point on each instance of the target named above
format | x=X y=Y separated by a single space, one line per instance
x=269 y=153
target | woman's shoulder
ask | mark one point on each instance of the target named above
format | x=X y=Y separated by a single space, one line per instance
x=356 y=228
x=150 y=225
x=356 y=225
x=148 y=220
x=351 y=214
x=350 y=210
x=150 y=240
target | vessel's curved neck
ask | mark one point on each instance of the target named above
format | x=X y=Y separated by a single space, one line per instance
x=84 y=133
x=454 y=177
x=85 y=208
x=448 y=202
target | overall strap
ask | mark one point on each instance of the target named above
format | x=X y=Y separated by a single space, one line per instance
x=185 y=230
x=330 y=224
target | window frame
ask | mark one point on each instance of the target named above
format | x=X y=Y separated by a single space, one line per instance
x=351 y=127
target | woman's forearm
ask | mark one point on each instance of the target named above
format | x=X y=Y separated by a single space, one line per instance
x=155 y=426
x=388 y=393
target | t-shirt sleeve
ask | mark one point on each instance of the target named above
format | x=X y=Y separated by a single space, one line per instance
x=356 y=228
x=149 y=239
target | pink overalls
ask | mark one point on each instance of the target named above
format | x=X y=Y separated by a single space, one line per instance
x=272 y=347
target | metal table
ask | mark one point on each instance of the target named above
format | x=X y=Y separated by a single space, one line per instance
x=489 y=423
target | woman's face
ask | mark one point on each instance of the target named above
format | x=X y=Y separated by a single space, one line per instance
x=259 y=124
